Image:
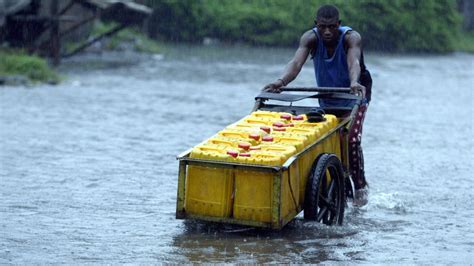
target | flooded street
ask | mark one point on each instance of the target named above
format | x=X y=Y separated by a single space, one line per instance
x=88 y=168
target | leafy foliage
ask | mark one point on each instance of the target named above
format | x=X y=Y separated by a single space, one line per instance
x=398 y=25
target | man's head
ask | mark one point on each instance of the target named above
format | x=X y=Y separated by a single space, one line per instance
x=327 y=21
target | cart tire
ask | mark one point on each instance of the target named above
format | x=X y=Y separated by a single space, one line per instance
x=324 y=202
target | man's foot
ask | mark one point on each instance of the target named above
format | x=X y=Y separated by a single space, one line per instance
x=361 y=197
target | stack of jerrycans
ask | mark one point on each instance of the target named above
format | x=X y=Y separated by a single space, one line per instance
x=261 y=138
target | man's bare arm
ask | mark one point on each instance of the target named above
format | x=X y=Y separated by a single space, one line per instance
x=293 y=67
x=354 y=41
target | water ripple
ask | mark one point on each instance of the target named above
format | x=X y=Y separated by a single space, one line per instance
x=89 y=174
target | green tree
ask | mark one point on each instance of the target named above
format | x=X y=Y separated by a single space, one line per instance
x=395 y=25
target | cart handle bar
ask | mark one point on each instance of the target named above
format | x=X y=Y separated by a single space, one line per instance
x=321 y=92
x=317 y=89
x=286 y=97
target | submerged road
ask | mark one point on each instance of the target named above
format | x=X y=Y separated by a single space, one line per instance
x=88 y=171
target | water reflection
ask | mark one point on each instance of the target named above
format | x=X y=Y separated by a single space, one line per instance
x=300 y=241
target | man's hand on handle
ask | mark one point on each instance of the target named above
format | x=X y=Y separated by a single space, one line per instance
x=274 y=87
x=358 y=89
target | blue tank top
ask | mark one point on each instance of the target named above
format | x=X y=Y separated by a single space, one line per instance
x=332 y=72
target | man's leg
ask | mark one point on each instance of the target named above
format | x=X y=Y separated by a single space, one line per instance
x=356 y=159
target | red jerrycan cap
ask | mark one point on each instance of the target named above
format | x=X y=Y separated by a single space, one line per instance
x=254 y=136
x=285 y=116
x=244 y=145
x=279 y=129
x=267 y=138
x=244 y=155
x=298 y=118
x=266 y=129
x=278 y=124
x=233 y=153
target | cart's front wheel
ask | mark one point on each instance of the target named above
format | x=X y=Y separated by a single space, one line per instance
x=325 y=191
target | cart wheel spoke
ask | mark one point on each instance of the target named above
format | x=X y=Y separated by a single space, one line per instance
x=322 y=214
x=327 y=203
x=331 y=188
x=323 y=200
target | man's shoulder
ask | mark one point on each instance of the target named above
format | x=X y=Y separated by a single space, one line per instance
x=352 y=35
x=309 y=38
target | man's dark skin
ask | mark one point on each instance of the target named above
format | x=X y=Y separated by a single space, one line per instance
x=329 y=31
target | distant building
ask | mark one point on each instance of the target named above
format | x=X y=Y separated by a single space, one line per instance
x=42 y=25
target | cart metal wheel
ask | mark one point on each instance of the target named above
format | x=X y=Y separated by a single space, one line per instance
x=325 y=191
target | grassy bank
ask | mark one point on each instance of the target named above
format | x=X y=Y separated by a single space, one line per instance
x=137 y=40
x=465 y=42
x=126 y=39
x=19 y=64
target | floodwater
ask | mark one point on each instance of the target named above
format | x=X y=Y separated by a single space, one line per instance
x=88 y=171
